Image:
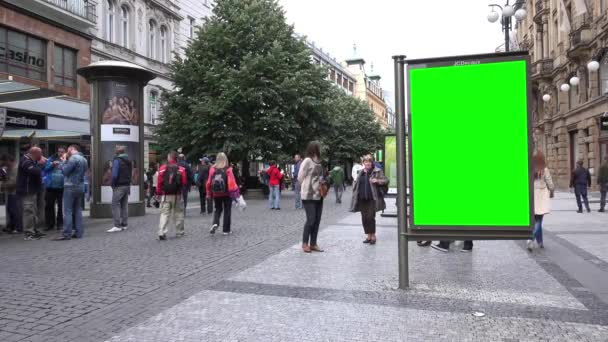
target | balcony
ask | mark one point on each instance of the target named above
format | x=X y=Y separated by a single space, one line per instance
x=542 y=68
x=78 y=14
x=580 y=37
x=541 y=9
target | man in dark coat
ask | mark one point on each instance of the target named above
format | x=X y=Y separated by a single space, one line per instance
x=201 y=182
x=580 y=181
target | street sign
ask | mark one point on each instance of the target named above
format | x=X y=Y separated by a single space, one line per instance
x=470 y=147
x=2 y=120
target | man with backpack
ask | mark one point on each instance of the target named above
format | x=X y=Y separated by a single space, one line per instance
x=53 y=181
x=121 y=189
x=172 y=179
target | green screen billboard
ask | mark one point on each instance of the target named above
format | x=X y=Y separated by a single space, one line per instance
x=390 y=162
x=469 y=138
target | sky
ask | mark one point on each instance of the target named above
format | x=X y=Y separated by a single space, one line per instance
x=384 y=28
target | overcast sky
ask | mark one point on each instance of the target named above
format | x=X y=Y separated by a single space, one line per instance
x=384 y=28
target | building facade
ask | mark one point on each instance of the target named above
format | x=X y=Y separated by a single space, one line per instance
x=337 y=73
x=42 y=44
x=148 y=33
x=368 y=89
x=562 y=39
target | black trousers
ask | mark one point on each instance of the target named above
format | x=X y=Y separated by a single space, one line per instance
x=223 y=204
x=202 y=193
x=368 y=215
x=314 y=210
x=53 y=196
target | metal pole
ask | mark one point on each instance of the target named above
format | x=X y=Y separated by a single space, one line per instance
x=505 y=26
x=401 y=172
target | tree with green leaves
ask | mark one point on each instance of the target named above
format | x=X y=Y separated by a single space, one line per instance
x=352 y=130
x=246 y=86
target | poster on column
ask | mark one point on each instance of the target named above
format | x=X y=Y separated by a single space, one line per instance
x=120 y=125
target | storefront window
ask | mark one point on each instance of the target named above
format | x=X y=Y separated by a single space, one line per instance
x=22 y=55
x=65 y=66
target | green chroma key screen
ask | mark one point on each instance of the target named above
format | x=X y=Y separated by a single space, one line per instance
x=469 y=145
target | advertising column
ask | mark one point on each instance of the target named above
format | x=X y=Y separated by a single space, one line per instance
x=117 y=122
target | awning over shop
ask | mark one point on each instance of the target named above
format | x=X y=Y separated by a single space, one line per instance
x=42 y=134
x=61 y=106
x=11 y=91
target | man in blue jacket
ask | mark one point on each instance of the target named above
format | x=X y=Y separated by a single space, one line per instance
x=29 y=187
x=53 y=181
x=74 y=169
x=121 y=189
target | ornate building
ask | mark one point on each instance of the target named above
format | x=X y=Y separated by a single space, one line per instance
x=569 y=94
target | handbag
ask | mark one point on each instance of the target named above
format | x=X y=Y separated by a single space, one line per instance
x=241 y=204
x=323 y=189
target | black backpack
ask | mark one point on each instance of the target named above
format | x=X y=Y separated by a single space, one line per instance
x=219 y=181
x=172 y=180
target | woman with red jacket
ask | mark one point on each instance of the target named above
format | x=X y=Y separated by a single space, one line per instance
x=274 y=183
x=222 y=187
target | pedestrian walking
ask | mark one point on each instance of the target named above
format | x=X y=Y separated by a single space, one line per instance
x=444 y=246
x=222 y=187
x=172 y=178
x=8 y=175
x=543 y=192
x=274 y=183
x=580 y=181
x=181 y=161
x=201 y=183
x=336 y=178
x=121 y=189
x=295 y=184
x=602 y=180
x=74 y=167
x=355 y=170
x=149 y=175
x=53 y=181
x=368 y=196
x=311 y=178
x=29 y=187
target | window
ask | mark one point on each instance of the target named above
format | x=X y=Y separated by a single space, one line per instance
x=163 y=44
x=124 y=17
x=603 y=6
x=110 y=21
x=22 y=55
x=604 y=75
x=153 y=106
x=192 y=25
x=65 y=66
x=152 y=40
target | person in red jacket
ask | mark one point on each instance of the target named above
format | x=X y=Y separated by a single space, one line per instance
x=222 y=187
x=274 y=183
x=172 y=179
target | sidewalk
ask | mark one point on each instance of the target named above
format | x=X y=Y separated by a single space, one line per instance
x=349 y=293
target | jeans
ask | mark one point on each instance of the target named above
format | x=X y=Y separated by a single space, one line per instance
x=171 y=209
x=339 y=189
x=72 y=211
x=314 y=210
x=120 y=205
x=537 y=233
x=206 y=205
x=297 y=191
x=274 y=199
x=13 y=212
x=223 y=204
x=185 y=193
x=30 y=213
x=368 y=215
x=581 y=191
x=54 y=196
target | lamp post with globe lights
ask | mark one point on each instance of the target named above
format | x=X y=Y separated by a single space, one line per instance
x=507 y=12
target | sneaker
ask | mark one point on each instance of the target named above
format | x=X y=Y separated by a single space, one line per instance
x=588 y=210
x=227 y=233
x=579 y=211
x=114 y=230
x=530 y=245
x=39 y=235
x=179 y=235
x=125 y=228
x=601 y=211
x=466 y=250
x=439 y=248
x=162 y=237
x=213 y=229
x=62 y=238
x=541 y=245
x=30 y=237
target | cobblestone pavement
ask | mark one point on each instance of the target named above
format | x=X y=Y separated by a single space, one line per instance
x=257 y=285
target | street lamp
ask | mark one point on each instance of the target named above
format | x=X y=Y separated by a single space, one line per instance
x=507 y=12
x=546 y=97
x=593 y=66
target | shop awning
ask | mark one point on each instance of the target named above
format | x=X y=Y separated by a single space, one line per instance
x=42 y=134
x=60 y=106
